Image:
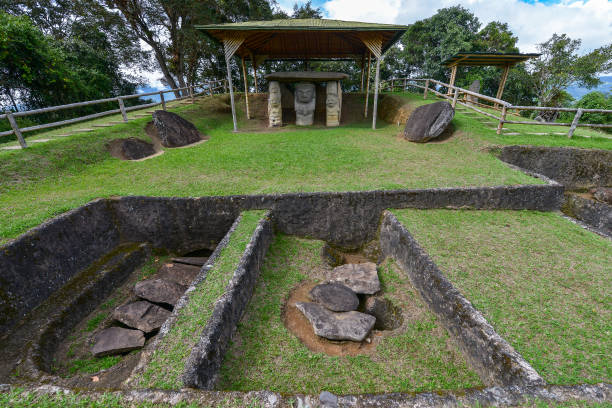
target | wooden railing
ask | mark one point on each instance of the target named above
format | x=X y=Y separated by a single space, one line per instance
x=208 y=87
x=504 y=108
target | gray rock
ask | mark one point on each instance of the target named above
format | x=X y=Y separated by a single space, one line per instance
x=178 y=273
x=130 y=148
x=173 y=130
x=360 y=278
x=335 y=297
x=159 y=291
x=352 y=326
x=388 y=316
x=328 y=400
x=474 y=87
x=191 y=260
x=603 y=194
x=141 y=315
x=428 y=121
x=116 y=340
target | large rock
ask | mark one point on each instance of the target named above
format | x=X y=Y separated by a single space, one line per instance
x=428 y=121
x=388 y=316
x=159 y=291
x=173 y=130
x=360 y=278
x=335 y=297
x=116 y=340
x=130 y=148
x=141 y=315
x=603 y=194
x=474 y=87
x=178 y=273
x=352 y=326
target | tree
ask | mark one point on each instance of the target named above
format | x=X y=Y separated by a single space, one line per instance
x=306 y=11
x=593 y=100
x=560 y=66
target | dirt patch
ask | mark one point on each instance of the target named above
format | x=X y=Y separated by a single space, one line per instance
x=297 y=324
x=131 y=148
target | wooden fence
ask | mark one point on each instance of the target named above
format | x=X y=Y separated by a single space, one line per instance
x=501 y=107
x=208 y=87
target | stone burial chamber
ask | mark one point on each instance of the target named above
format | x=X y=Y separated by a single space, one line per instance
x=305 y=96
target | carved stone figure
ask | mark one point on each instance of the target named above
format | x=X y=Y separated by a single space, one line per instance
x=305 y=98
x=275 y=111
x=333 y=103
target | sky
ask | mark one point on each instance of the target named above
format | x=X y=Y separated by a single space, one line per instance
x=532 y=21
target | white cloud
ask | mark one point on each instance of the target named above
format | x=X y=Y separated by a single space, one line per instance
x=589 y=20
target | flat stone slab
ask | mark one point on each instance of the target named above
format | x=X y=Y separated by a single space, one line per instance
x=191 y=260
x=360 y=278
x=141 y=315
x=352 y=326
x=308 y=76
x=178 y=273
x=335 y=296
x=116 y=340
x=159 y=291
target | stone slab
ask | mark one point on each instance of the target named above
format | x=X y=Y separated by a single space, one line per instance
x=116 y=340
x=335 y=297
x=159 y=291
x=141 y=315
x=360 y=278
x=178 y=273
x=353 y=326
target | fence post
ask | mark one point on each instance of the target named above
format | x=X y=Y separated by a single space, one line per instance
x=500 y=125
x=426 y=89
x=16 y=130
x=163 y=100
x=392 y=85
x=405 y=83
x=455 y=96
x=122 y=107
x=574 y=123
x=190 y=89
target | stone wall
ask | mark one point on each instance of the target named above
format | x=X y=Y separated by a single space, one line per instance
x=596 y=214
x=489 y=354
x=573 y=167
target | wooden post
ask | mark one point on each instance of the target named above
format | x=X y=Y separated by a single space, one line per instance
x=16 y=130
x=376 y=84
x=122 y=107
x=452 y=79
x=231 y=91
x=405 y=83
x=502 y=83
x=163 y=100
x=231 y=44
x=500 y=125
x=574 y=123
x=392 y=84
x=365 y=113
x=426 y=88
x=455 y=99
x=246 y=88
x=190 y=89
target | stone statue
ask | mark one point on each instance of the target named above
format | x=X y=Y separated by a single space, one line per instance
x=305 y=98
x=333 y=103
x=275 y=110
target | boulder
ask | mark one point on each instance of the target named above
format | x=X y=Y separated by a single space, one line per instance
x=116 y=340
x=159 y=291
x=335 y=297
x=178 y=273
x=191 y=260
x=603 y=194
x=474 y=87
x=173 y=130
x=130 y=148
x=388 y=316
x=141 y=315
x=360 y=278
x=352 y=326
x=428 y=121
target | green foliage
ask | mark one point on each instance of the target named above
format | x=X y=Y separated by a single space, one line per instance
x=596 y=100
x=94 y=322
x=93 y=365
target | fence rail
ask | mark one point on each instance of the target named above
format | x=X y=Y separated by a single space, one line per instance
x=453 y=92
x=208 y=87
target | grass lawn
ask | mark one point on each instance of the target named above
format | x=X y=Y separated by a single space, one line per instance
x=266 y=355
x=50 y=178
x=167 y=363
x=543 y=282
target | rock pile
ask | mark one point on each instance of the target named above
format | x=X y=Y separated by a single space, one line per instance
x=157 y=296
x=332 y=312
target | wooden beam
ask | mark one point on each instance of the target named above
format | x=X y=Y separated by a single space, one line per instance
x=231 y=45
x=502 y=82
x=452 y=79
x=246 y=88
x=376 y=86
x=365 y=113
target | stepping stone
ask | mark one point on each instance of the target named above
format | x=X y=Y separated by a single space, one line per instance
x=334 y=296
x=512 y=133
x=361 y=278
x=352 y=326
x=82 y=130
x=496 y=128
x=38 y=141
x=117 y=122
x=11 y=148
x=178 y=273
x=159 y=291
x=63 y=135
x=141 y=115
x=141 y=315
x=191 y=260
x=102 y=126
x=116 y=340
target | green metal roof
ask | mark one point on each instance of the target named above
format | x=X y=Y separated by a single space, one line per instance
x=487 y=58
x=302 y=24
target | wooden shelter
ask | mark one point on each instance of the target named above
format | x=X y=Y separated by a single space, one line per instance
x=304 y=39
x=502 y=60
